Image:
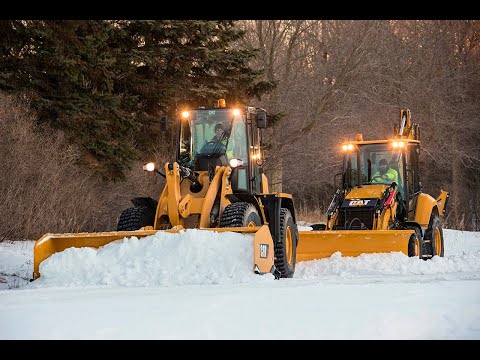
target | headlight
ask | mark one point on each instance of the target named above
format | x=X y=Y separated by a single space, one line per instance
x=236 y=163
x=149 y=166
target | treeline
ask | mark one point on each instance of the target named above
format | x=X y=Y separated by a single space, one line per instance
x=81 y=103
x=106 y=84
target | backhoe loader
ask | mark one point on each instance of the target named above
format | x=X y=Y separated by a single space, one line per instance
x=216 y=183
x=380 y=206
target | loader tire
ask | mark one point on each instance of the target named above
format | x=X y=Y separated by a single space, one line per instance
x=135 y=218
x=416 y=245
x=435 y=234
x=286 y=247
x=240 y=214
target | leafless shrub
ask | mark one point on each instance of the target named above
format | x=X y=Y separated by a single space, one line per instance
x=43 y=190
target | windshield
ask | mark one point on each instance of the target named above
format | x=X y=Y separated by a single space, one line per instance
x=379 y=164
x=206 y=133
x=237 y=145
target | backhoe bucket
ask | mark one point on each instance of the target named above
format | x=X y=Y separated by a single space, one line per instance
x=50 y=244
x=314 y=245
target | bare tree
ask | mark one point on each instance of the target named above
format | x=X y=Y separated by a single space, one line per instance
x=338 y=78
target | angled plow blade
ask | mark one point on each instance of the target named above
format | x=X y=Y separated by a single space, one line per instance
x=50 y=244
x=314 y=245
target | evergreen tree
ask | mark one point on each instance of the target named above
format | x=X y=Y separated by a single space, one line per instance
x=108 y=82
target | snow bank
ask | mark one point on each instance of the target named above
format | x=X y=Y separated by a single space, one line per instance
x=304 y=228
x=16 y=263
x=199 y=257
x=462 y=260
x=461 y=242
x=191 y=257
x=465 y=266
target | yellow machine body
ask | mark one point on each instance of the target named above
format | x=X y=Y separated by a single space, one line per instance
x=197 y=197
x=192 y=209
x=388 y=229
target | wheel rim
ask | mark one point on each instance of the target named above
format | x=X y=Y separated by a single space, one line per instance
x=438 y=242
x=251 y=224
x=417 y=246
x=288 y=245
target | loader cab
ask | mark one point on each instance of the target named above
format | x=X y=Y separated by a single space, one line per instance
x=222 y=136
x=204 y=136
x=361 y=166
x=365 y=163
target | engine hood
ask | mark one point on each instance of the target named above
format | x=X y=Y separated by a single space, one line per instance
x=367 y=192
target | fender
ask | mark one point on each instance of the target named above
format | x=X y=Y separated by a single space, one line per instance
x=442 y=202
x=287 y=202
x=272 y=204
x=425 y=206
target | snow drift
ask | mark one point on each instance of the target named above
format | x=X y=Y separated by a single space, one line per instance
x=199 y=257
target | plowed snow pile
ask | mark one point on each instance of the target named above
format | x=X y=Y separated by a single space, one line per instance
x=461 y=261
x=199 y=257
x=191 y=257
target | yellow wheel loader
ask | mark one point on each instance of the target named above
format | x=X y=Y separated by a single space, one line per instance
x=216 y=183
x=380 y=206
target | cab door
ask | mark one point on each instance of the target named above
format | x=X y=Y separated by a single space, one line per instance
x=414 y=186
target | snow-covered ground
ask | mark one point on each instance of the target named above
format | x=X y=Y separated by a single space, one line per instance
x=199 y=285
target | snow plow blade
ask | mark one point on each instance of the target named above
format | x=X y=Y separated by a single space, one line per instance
x=50 y=244
x=314 y=245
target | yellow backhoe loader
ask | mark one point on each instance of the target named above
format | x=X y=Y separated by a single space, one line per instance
x=380 y=206
x=216 y=183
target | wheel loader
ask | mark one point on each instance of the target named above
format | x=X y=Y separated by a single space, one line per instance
x=380 y=206
x=216 y=183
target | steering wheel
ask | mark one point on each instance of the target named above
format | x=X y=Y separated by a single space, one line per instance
x=212 y=145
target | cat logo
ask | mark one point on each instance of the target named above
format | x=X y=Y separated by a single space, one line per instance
x=358 y=202
x=263 y=251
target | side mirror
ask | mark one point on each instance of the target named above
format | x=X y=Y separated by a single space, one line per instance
x=163 y=123
x=262 y=119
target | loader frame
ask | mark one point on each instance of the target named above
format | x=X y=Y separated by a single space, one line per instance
x=197 y=198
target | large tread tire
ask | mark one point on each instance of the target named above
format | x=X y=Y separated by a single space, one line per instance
x=286 y=247
x=435 y=234
x=135 y=218
x=416 y=245
x=240 y=214
x=316 y=227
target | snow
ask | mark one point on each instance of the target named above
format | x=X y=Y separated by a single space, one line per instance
x=193 y=257
x=16 y=263
x=200 y=285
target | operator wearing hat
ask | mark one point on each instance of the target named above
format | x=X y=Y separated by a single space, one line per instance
x=384 y=173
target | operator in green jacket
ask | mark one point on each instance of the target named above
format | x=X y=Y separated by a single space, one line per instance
x=385 y=174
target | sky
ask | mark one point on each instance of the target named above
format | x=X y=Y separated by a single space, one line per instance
x=200 y=285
